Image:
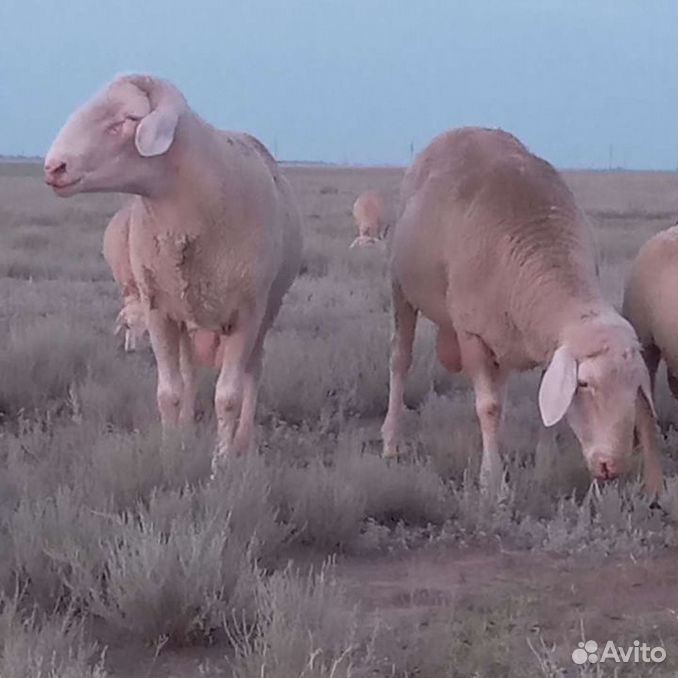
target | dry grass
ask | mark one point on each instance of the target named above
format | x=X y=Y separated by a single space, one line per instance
x=111 y=537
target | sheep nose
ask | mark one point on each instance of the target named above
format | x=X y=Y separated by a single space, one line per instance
x=606 y=469
x=54 y=169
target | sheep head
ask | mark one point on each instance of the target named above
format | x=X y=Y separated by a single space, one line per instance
x=596 y=379
x=114 y=141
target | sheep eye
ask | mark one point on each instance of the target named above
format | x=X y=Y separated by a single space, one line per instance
x=116 y=128
x=582 y=384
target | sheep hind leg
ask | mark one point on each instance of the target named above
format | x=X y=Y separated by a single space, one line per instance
x=236 y=350
x=244 y=440
x=489 y=385
x=402 y=339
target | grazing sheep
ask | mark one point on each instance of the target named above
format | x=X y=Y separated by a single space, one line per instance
x=116 y=253
x=651 y=303
x=491 y=246
x=214 y=235
x=368 y=213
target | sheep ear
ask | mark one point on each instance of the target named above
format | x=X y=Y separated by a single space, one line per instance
x=155 y=132
x=646 y=390
x=557 y=386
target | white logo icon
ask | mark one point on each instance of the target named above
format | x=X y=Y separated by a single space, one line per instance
x=586 y=652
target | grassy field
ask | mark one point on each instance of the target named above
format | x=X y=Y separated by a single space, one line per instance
x=315 y=557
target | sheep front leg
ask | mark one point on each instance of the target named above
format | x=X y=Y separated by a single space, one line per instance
x=165 y=335
x=648 y=436
x=489 y=385
x=187 y=367
x=402 y=339
x=228 y=400
x=646 y=427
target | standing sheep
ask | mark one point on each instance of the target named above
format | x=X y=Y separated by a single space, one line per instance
x=491 y=246
x=651 y=303
x=368 y=213
x=214 y=235
x=131 y=319
x=116 y=253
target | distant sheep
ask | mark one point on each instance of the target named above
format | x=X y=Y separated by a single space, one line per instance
x=369 y=217
x=651 y=303
x=491 y=246
x=214 y=234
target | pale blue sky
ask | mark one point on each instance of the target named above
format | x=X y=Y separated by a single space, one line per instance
x=358 y=80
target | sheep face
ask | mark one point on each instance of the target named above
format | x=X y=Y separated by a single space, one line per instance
x=109 y=144
x=598 y=394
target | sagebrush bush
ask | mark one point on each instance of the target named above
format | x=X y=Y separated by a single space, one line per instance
x=40 y=360
x=35 y=645
x=128 y=467
x=448 y=436
x=304 y=627
x=53 y=541
x=182 y=558
x=409 y=491
x=164 y=569
x=325 y=505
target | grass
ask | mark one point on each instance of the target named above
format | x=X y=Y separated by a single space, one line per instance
x=304 y=626
x=114 y=543
x=33 y=645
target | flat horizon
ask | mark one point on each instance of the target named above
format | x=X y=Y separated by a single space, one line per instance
x=583 y=85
